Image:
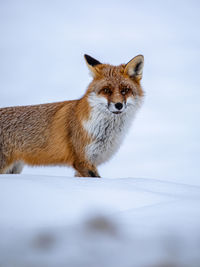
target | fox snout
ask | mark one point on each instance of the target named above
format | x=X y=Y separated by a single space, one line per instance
x=119 y=105
x=116 y=108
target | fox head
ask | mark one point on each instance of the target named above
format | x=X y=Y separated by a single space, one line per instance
x=115 y=89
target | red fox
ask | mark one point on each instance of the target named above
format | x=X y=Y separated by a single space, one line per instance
x=80 y=133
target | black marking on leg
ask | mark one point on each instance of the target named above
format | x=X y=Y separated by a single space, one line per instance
x=92 y=174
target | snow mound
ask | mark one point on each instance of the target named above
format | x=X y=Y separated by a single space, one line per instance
x=86 y=222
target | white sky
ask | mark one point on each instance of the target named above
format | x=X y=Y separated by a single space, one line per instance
x=41 y=60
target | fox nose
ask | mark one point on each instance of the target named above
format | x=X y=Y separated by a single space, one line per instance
x=119 y=105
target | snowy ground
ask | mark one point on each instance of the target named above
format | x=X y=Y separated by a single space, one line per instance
x=86 y=222
x=55 y=220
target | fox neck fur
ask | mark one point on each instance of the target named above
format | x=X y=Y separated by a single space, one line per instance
x=107 y=129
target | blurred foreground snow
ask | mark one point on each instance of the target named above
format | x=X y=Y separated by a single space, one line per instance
x=58 y=221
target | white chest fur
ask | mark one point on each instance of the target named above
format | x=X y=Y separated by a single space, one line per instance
x=107 y=130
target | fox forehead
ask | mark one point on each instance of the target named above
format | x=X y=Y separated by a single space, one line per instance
x=114 y=78
x=109 y=72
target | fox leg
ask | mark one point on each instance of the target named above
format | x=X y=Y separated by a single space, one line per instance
x=3 y=163
x=7 y=167
x=15 y=168
x=85 y=169
x=77 y=174
x=2 y=170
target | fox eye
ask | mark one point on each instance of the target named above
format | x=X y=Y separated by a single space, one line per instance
x=124 y=91
x=107 y=91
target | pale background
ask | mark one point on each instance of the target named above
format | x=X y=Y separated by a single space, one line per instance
x=155 y=216
x=42 y=44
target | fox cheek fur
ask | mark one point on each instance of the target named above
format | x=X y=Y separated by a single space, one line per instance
x=80 y=133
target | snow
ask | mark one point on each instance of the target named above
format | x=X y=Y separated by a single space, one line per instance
x=47 y=217
x=67 y=221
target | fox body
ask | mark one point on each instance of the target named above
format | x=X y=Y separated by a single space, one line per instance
x=80 y=133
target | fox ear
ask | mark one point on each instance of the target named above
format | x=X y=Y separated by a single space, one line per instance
x=134 y=67
x=91 y=63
